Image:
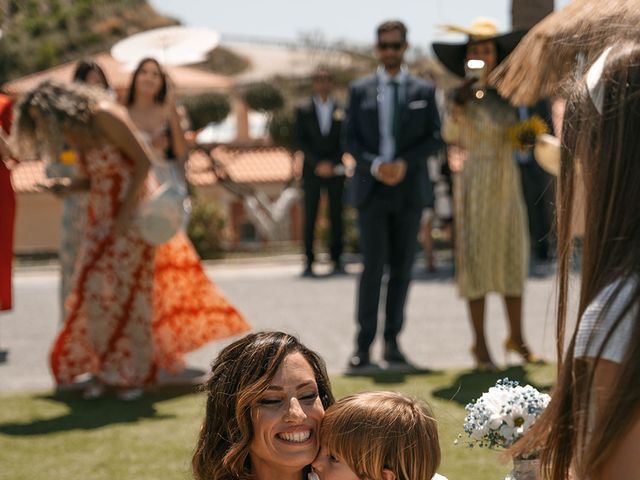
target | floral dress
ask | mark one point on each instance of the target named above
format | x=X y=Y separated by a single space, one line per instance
x=134 y=308
x=492 y=245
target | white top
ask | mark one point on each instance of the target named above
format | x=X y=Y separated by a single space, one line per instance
x=596 y=323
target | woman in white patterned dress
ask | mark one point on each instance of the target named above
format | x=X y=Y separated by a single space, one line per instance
x=492 y=246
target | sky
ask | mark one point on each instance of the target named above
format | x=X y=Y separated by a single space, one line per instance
x=334 y=20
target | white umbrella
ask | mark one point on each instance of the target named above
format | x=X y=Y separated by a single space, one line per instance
x=171 y=46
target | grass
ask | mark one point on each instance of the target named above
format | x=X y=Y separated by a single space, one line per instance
x=63 y=437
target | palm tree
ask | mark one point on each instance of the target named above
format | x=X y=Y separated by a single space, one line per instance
x=526 y=13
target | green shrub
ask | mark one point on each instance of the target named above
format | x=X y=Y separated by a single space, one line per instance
x=207 y=108
x=206 y=227
x=281 y=128
x=47 y=55
x=263 y=97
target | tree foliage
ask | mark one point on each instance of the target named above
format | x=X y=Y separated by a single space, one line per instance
x=263 y=97
x=207 y=108
x=39 y=34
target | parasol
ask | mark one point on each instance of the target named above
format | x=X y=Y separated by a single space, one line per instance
x=171 y=46
x=555 y=48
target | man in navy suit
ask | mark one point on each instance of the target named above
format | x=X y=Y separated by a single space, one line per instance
x=392 y=126
x=317 y=132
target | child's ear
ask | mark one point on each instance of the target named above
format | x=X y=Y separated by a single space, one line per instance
x=388 y=474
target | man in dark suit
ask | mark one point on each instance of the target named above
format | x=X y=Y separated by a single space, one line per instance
x=538 y=188
x=392 y=127
x=317 y=131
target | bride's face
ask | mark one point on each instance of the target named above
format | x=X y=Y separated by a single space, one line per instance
x=286 y=419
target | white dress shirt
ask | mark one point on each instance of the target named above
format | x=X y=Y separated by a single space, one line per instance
x=324 y=112
x=385 y=114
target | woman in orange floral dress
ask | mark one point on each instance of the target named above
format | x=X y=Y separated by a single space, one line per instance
x=120 y=327
x=189 y=309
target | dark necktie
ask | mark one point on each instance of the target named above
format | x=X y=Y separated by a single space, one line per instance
x=395 y=114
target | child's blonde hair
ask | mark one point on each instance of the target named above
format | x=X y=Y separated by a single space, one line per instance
x=372 y=431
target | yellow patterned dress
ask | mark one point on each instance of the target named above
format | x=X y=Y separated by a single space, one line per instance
x=492 y=245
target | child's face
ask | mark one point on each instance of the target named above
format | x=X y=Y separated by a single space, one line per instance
x=329 y=467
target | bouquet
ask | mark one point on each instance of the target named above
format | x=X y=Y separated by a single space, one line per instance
x=523 y=135
x=502 y=415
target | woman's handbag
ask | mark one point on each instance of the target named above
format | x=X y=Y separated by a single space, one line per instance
x=166 y=210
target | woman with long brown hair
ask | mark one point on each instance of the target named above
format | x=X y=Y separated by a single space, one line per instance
x=189 y=309
x=266 y=397
x=591 y=428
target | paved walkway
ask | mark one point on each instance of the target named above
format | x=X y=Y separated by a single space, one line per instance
x=273 y=297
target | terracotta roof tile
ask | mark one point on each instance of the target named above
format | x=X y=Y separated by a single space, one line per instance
x=244 y=165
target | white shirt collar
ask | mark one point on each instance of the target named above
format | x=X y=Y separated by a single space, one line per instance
x=385 y=78
x=318 y=100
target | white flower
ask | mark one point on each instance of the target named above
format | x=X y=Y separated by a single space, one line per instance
x=503 y=414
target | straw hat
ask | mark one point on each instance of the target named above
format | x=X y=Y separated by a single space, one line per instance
x=452 y=55
x=547 y=153
x=553 y=49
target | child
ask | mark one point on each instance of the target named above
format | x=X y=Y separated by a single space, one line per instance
x=377 y=436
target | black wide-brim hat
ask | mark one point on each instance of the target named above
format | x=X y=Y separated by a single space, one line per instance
x=453 y=55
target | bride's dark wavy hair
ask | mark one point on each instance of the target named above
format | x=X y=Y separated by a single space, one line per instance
x=605 y=148
x=46 y=110
x=240 y=373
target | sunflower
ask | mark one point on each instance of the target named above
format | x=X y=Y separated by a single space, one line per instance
x=523 y=134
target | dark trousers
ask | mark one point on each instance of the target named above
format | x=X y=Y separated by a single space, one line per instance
x=334 y=187
x=388 y=236
x=538 y=190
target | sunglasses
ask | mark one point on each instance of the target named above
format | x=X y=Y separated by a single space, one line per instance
x=397 y=46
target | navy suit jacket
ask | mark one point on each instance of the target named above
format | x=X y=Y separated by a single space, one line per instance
x=418 y=138
x=309 y=138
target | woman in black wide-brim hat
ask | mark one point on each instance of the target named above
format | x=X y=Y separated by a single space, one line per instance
x=492 y=246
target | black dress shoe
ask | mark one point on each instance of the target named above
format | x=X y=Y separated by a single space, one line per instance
x=308 y=272
x=359 y=360
x=392 y=354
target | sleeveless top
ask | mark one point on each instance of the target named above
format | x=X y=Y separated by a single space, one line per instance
x=599 y=318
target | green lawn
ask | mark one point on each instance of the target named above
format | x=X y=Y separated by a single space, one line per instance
x=63 y=437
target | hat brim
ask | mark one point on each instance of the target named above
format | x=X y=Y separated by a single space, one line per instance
x=547 y=153
x=452 y=55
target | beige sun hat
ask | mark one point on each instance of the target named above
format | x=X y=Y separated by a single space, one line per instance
x=481 y=28
x=547 y=153
x=452 y=55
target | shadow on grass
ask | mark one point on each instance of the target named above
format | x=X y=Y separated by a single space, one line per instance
x=93 y=414
x=470 y=385
x=382 y=376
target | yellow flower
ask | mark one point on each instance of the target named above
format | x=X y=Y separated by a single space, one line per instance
x=68 y=157
x=523 y=134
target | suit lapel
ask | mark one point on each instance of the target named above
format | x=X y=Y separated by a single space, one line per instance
x=315 y=123
x=373 y=93
x=404 y=108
